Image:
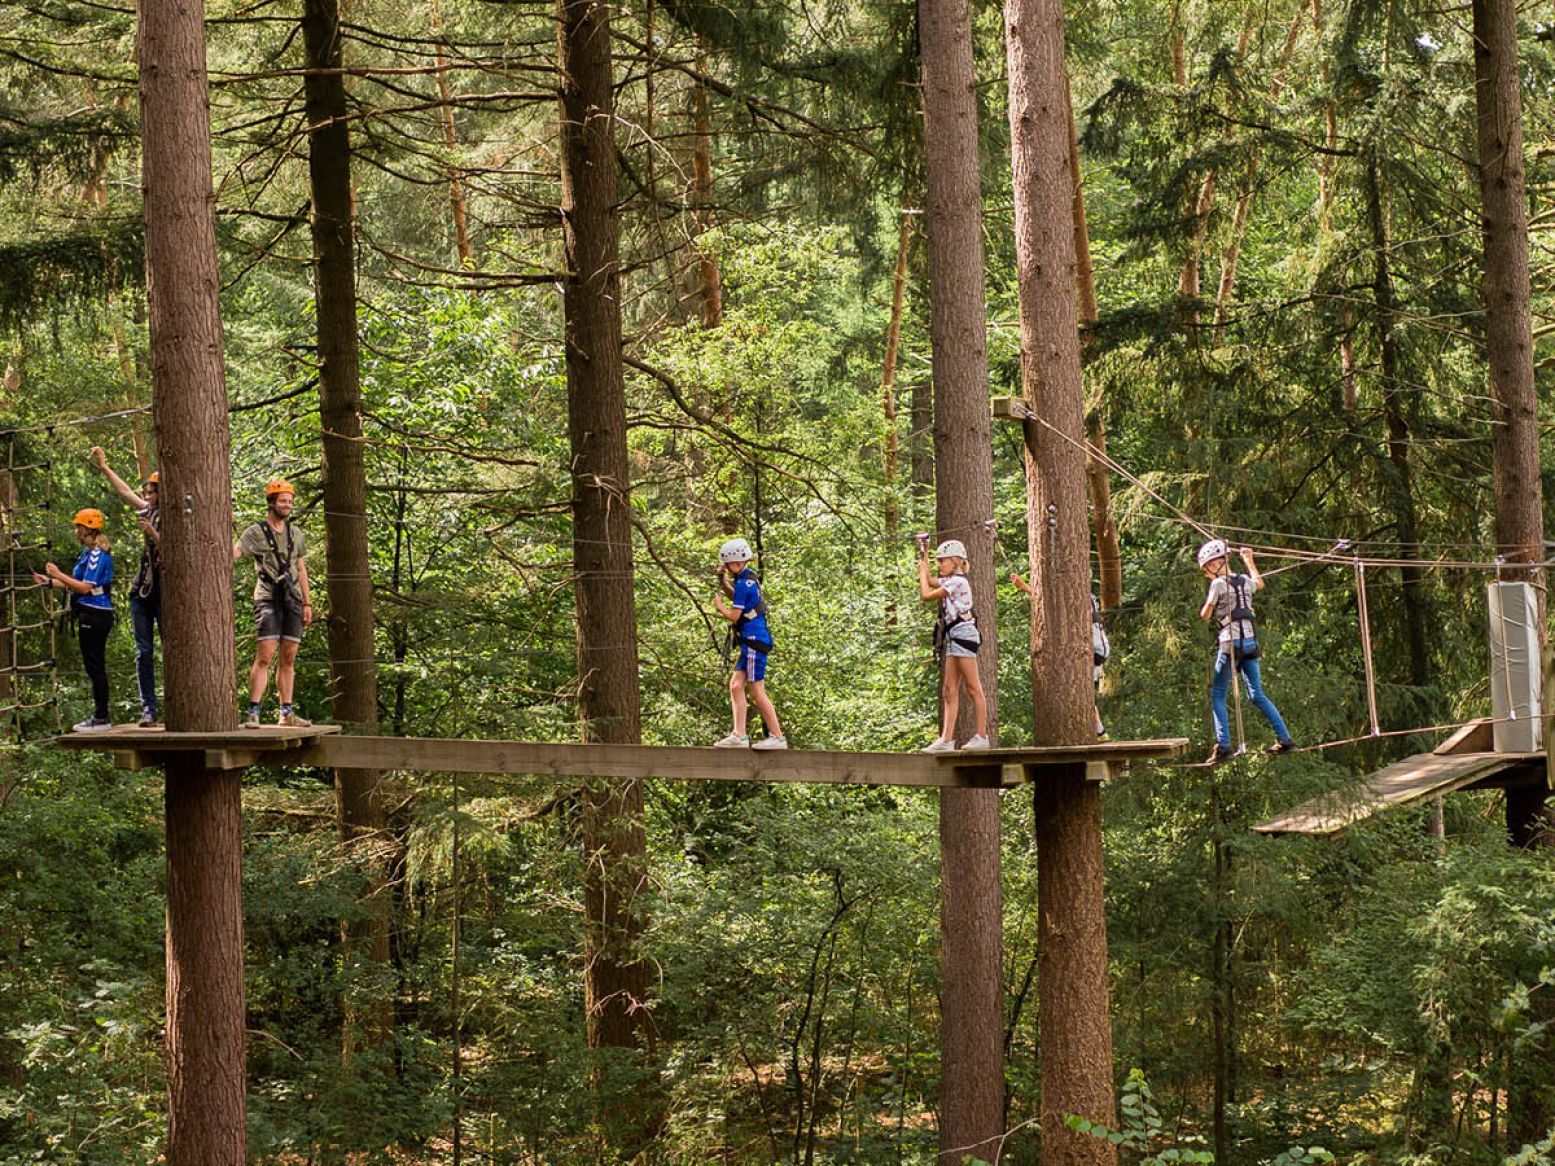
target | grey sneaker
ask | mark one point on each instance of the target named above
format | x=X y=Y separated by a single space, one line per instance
x=733 y=742
x=771 y=743
x=940 y=745
x=977 y=742
x=294 y=721
x=92 y=725
x=148 y=717
x=251 y=720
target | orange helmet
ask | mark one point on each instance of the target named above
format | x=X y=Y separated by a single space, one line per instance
x=279 y=486
x=91 y=519
x=154 y=478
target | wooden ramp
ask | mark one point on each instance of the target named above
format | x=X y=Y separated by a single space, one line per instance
x=324 y=746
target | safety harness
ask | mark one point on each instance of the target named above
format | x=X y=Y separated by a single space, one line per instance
x=732 y=637
x=1241 y=613
x=945 y=631
x=280 y=588
x=147 y=576
x=1101 y=646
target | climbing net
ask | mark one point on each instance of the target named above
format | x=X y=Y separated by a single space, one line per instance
x=29 y=635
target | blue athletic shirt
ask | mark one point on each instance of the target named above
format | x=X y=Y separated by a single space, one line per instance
x=95 y=567
x=747 y=597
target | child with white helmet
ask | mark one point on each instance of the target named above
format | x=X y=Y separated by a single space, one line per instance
x=1236 y=645
x=746 y=612
x=956 y=639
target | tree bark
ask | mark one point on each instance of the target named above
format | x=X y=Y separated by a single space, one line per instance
x=1075 y=1025
x=353 y=673
x=461 y=221
x=709 y=282
x=205 y=1021
x=615 y=975
x=893 y=342
x=1400 y=471
x=1514 y=441
x=972 y=1060
x=1109 y=555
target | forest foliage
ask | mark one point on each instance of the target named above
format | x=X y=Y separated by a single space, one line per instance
x=1387 y=987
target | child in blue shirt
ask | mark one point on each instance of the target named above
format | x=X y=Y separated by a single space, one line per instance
x=747 y=616
x=90 y=601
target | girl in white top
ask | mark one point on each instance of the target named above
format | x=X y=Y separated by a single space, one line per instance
x=958 y=637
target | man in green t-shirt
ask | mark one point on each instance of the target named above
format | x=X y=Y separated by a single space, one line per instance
x=282 y=607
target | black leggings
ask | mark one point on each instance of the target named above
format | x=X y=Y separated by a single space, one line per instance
x=92 y=628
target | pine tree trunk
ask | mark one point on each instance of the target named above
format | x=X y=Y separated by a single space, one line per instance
x=1075 y=1024
x=1514 y=438
x=616 y=977
x=353 y=672
x=1109 y=555
x=709 y=282
x=205 y=1011
x=1400 y=469
x=461 y=222
x=971 y=1045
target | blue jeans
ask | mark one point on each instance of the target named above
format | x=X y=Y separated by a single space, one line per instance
x=1252 y=680
x=146 y=614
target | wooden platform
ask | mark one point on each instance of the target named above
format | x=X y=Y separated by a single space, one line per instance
x=137 y=748
x=324 y=746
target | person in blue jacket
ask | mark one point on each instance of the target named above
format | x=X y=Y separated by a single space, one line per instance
x=747 y=616
x=92 y=605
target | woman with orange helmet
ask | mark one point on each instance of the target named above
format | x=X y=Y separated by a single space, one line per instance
x=283 y=606
x=146 y=590
x=92 y=606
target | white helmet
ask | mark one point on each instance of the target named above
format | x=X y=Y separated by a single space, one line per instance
x=736 y=550
x=1212 y=550
x=951 y=548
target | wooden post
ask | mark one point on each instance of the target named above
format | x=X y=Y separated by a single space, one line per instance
x=205 y=1022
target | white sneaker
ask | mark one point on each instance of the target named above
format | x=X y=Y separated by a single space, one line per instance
x=733 y=742
x=977 y=742
x=91 y=725
x=771 y=743
x=940 y=745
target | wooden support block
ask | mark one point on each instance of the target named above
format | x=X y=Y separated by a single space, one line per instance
x=131 y=759
x=1011 y=409
x=1474 y=737
x=231 y=758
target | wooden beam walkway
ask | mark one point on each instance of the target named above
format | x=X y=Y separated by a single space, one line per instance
x=326 y=747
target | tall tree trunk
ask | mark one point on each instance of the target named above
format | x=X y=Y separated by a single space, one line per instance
x=971 y=978
x=615 y=975
x=1075 y=1023
x=1514 y=444
x=893 y=342
x=450 y=139
x=1098 y=479
x=1514 y=441
x=709 y=282
x=1400 y=470
x=353 y=673
x=205 y=1029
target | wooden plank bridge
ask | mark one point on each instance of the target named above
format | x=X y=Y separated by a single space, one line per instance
x=1466 y=760
x=325 y=746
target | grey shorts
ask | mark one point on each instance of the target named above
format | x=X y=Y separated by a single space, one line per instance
x=275 y=619
x=955 y=648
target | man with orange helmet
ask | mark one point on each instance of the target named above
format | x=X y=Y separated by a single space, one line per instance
x=92 y=606
x=283 y=607
x=146 y=590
